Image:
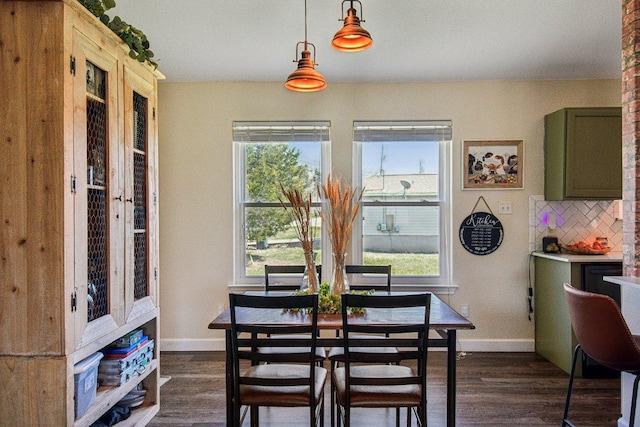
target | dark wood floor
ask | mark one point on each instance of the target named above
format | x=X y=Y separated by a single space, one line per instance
x=494 y=389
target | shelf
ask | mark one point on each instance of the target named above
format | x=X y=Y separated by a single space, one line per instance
x=95 y=98
x=140 y=416
x=107 y=397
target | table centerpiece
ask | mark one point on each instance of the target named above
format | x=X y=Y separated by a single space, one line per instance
x=343 y=210
x=300 y=209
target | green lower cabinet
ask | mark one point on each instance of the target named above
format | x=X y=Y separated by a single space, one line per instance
x=554 y=338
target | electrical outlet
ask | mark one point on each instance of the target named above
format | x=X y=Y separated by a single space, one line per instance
x=504 y=207
x=465 y=310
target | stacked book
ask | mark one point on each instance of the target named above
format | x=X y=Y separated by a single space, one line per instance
x=125 y=358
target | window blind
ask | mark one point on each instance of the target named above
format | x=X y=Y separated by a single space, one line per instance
x=430 y=130
x=286 y=131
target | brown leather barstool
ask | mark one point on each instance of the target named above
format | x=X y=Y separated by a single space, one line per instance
x=603 y=334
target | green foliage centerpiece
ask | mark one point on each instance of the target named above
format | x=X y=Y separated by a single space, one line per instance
x=331 y=303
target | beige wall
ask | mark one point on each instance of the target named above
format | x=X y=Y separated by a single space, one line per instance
x=196 y=186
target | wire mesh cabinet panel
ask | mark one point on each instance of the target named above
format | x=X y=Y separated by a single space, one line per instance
x=141 y=271
x=117 y=245
x=98 y=211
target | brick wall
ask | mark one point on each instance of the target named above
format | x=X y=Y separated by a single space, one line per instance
x=631 y=135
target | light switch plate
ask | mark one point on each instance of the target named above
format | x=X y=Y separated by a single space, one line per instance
x=504 y=207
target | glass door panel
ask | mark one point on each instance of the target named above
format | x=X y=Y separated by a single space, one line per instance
x=140 y=196
x=97 y=190
x=97 y=302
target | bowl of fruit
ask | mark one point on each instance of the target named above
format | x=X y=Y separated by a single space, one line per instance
x=584 y=248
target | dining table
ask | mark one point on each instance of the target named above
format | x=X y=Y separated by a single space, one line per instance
x=444 y=320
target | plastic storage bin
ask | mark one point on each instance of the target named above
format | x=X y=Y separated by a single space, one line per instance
x=85 y=381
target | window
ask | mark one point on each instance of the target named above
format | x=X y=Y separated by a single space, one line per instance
x=404 y=170
x=268 y=154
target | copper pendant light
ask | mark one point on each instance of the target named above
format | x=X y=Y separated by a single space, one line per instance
x=305 y=78
x=352 y=37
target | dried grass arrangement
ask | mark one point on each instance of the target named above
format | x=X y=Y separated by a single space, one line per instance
x=300 y=207
x=344 y=205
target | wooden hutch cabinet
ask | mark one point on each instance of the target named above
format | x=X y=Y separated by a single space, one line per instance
x=78 y=210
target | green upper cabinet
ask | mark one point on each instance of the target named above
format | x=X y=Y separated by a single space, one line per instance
x=583 y=154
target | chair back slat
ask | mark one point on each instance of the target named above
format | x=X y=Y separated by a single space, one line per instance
x=382 y=358
x=378 y=381
x=279 y=329
x=380 y=329
x=285 y=270
x=274 y=382
x=285 y=357
x=370 y=269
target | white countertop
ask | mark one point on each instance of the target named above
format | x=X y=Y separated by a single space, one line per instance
x=565 y=257
x=624 y=280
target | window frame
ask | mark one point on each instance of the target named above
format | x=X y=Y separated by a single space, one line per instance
x=442 y=282
x=241 y=205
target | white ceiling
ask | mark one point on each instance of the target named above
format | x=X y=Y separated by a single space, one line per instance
x=414 y=40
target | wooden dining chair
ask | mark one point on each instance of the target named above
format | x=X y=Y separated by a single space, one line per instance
x=370 y=270
x=336 y=354
x=603 y=334
x=383 y=380
x=286 y=270
x=280 y=379
x=321 y=353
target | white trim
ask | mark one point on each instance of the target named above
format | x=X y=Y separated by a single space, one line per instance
x=497 y=345
x=192 y=344
x=436 y=289
x=490 y=345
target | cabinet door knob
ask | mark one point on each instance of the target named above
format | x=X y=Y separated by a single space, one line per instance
x=118 y=198
x=130 y=200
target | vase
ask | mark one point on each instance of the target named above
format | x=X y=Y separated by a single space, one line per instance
x=310 y=275
x=339 y=282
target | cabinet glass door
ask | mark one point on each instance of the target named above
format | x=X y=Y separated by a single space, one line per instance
x=98 y=223
x=97 y=204
x=140 y=184
x=140 y=197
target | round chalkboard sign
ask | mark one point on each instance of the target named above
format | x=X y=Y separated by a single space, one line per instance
x=481 y=233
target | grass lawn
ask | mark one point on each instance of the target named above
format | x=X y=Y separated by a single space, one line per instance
x=408 y=264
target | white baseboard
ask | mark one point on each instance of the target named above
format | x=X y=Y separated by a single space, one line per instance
x=213 y=344
x=497 y=345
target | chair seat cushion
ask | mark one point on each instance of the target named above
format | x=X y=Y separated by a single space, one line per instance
x=285 y=395
x=379 y=395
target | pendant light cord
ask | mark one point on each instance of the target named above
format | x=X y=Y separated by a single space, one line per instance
x=305 y=25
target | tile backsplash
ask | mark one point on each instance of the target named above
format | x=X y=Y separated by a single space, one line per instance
x=575 y=220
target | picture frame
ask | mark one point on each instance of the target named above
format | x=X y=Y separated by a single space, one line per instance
x=492 y=165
